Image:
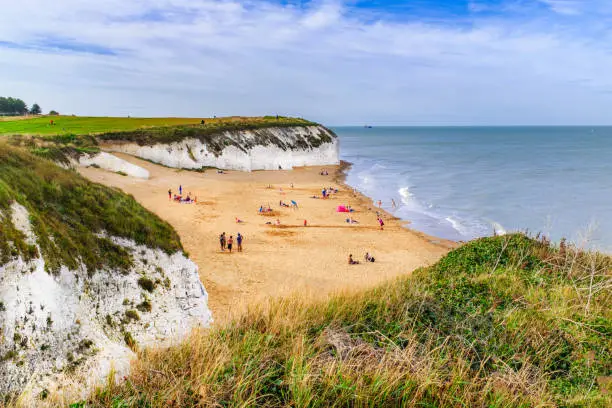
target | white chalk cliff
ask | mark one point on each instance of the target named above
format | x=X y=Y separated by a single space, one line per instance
x=76 y=326
x=247 y=150
x=112 y=163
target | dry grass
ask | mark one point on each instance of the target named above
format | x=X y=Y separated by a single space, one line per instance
x=500 y=322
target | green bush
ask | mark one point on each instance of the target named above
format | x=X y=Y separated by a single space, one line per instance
x=146 y=283
x=132 y=314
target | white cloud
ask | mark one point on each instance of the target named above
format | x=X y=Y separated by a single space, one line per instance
x=570 y=7
x=205 y=57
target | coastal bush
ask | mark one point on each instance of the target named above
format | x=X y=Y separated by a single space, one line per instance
x=500 y=322
x=132 y=314
x=70 y=216
x=146 y=283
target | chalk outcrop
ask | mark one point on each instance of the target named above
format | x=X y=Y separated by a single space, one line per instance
x=112 y=163
x=246 y=150
x=78 y=324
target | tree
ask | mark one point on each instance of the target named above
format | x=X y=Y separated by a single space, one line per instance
x=12 y=106
x=35 y=109
x=53 y=113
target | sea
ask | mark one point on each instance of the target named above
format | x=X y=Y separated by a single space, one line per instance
x=461 y=183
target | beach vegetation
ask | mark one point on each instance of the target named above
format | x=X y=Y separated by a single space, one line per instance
x=506 y=321
x=145 y=306
x=71 y=217
x=130 y=341
x=146 y=283
x=132 y=314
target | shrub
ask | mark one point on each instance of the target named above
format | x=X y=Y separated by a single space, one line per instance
x=129 y=340
x=145 y=306
x=146 y=283
x=132 y=314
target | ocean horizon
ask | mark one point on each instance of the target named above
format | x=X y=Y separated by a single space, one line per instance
x=465 y=182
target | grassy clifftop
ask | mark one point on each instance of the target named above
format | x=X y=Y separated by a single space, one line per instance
x=81 y=125
x=68 y=213
x=500 y=322
x=87 y=132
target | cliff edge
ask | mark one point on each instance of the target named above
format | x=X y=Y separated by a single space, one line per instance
x=269 y=148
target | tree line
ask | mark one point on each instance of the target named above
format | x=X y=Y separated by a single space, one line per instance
x=10 y=106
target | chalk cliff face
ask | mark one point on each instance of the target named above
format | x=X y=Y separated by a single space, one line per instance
x=76 y=325
x=261 y=149
x=112 y=163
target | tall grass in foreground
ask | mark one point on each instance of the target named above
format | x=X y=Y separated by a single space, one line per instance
x=500 y=322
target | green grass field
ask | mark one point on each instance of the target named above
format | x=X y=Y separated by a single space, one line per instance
x=94 y=125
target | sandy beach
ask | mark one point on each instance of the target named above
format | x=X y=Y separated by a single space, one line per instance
x=276 y=260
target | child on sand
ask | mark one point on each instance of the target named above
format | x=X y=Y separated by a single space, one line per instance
x=239 y=242
x=180 y=190
x=351 y=261
x=381 y=223
x=230 y=242
x=169 y=194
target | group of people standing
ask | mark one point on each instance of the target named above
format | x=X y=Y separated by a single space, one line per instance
x=228 y=243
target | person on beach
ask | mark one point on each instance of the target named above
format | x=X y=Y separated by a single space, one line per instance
x=351 y=261
x=180 y=190
x=324 y=193
x=239 y=242
x=222 y=241
x=381 y=223
x=368 y=257
x=230 y=242
x=379 y=204
x=169 y=194
x=305 y=223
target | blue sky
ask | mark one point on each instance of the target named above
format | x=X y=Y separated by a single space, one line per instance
x=414 y=62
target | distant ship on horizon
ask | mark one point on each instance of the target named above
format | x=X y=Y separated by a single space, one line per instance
x=367 y=126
